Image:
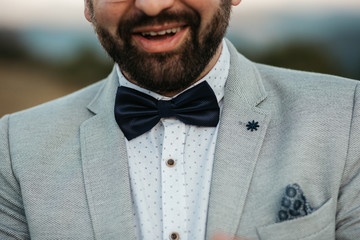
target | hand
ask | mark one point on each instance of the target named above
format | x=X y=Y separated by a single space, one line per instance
x=221 y=236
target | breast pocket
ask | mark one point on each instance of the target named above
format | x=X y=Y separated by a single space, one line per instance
x=319 y=225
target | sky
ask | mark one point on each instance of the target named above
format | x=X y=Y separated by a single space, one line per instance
x=69 y=13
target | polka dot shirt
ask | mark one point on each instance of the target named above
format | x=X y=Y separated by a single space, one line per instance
x=170 y=169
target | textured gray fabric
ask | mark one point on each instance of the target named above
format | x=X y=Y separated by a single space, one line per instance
x=64 y=173
x=308 y=134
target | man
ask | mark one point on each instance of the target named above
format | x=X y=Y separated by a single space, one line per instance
x=266 y=153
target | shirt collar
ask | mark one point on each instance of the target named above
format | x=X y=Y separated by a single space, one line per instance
x=216 y=78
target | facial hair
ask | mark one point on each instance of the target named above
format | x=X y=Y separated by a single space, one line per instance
x=171 y=71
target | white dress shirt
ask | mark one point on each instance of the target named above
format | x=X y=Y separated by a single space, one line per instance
x=170 y=169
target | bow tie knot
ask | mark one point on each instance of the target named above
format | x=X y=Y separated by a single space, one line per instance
x=165 y=109
x=136 y=112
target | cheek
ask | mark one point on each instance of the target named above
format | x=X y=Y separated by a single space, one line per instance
x=206 y=8
x=203 y=6
x=108 y=13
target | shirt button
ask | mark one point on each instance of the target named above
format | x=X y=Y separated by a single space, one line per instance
x=170 y=163
x=174 y=236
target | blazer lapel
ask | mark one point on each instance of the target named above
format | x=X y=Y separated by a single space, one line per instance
x=237 y=148
x=105 y=168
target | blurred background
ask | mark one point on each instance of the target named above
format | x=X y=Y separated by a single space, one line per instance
x=48 y=49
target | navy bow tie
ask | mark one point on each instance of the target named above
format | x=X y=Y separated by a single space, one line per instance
x=137 y=113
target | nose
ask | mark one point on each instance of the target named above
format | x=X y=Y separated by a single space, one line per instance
x=153 y=7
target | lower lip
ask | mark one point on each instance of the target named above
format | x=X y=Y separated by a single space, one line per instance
x=165 y=44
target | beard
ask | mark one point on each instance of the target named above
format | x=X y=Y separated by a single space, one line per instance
x=170 y=71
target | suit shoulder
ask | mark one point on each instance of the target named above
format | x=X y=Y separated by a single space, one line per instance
x=302 y=82
x=72 y=102
x=312 y=94
x=72 y=107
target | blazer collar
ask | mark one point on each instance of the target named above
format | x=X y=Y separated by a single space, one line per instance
x=238 y=148
x=244 y=82
x=104 y=100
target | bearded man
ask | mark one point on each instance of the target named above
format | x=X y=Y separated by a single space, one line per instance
x=185 y=139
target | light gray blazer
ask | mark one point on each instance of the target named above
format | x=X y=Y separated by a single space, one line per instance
x=64 y=171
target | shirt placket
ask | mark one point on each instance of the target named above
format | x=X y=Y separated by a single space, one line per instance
x=173 y=180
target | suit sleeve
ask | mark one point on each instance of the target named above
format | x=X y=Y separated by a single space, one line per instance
x=13 y=224
x=348 y=209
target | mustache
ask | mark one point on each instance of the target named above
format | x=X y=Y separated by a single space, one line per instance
x=127 y=24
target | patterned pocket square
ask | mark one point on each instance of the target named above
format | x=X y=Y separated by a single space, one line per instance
x=293 y=204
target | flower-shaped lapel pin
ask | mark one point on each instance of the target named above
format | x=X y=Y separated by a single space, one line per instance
x=251 y=126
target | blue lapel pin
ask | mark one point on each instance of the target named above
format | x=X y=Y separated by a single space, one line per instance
x=251 y=126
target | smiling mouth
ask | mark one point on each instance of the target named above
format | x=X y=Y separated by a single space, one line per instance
x=154 y=35
x=156 y=39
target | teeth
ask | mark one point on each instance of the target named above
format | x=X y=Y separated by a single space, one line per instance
x=161 y=33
